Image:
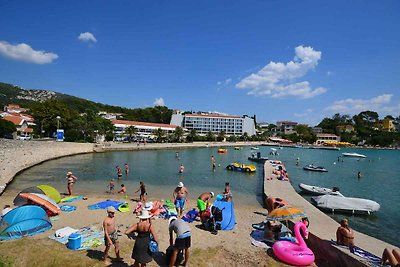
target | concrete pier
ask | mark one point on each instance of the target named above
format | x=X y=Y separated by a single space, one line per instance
x=322 y=227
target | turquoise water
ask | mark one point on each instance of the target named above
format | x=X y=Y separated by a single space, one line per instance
x=159 y=170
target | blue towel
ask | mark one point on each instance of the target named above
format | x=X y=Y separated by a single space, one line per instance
x=105 y=205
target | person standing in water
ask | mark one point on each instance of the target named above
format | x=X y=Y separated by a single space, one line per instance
x=119 y=171
x=359 y=175
x=213 y=163
x=181 y=168
x=126 y=169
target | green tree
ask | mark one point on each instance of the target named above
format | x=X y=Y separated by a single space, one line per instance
x=244 y=137
x=6 y=127
x=210 y=136
x=232 y=138
x=178 y=134
x=131 y=131
x=221 y=136
x=191 y=136
x=160 y=135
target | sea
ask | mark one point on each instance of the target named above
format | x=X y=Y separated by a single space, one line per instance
x=159 y=170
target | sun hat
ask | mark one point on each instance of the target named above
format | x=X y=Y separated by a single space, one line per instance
x=145 y=215
x=111 y=209
x=212 y=194
x=69 y=173
x=180 y=184
x=172 y=218
x=148 y=206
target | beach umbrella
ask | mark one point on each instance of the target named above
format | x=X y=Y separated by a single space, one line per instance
x=286 y=213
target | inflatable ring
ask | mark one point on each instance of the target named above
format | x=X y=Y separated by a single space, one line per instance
x=124 y=207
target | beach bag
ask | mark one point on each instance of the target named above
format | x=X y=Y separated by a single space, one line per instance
x=153 y=245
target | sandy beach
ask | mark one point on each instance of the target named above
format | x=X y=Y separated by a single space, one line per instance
x=227 y=248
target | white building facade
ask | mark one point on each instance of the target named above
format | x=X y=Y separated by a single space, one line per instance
x=215 y=123
x=144 y=129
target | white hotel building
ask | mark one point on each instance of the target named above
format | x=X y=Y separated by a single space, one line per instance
x=144 y=129
x=204 y=123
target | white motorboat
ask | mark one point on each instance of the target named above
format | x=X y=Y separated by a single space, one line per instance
x=356 y=155
x=316 y=190
x=311 y=167
x=345 y=204
x=254 y=148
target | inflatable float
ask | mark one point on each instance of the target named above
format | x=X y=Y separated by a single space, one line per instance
x=295 y=253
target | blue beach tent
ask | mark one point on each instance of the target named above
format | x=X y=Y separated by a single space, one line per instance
x=24 y=221
x=228 y=214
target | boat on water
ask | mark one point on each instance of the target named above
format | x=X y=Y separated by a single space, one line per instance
x=254 y=148
x=257 y=157
x=345 y=204
x=316 y=190
x=237 y=148
x=241 y=167
x=356 y=155
x=311 y=167
x=222 y=150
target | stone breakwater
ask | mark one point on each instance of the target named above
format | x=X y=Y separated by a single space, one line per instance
x=16 y=155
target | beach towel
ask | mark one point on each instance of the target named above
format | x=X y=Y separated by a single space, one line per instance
x=190 y=216
x=66 y=231
x=91 y=237
x=257 y=238
x=372 y=259
x=105 y=205
x=71 y=198
x=67 y=208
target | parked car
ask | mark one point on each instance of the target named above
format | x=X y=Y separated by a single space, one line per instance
x=24 y=137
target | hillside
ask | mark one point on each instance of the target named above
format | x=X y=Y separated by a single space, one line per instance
x=12 y=94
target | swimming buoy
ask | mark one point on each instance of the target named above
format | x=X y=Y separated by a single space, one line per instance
x=124 y=207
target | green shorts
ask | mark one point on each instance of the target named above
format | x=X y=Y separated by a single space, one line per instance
x=201 y=205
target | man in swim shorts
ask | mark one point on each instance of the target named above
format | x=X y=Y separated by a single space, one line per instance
x=180 y=195
x=344 y=234
x=110 y=234
x=119 y=171
x=202 y=203
x=182 y=241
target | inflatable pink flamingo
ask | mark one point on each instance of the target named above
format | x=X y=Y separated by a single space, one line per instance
x=295 y=253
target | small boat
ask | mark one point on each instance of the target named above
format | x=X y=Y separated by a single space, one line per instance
x=254 y=148
x=237 y=148
x=222 y=150
x=241 y=167
x=354 y=155
x=311 y=167
x=316 y=190
x=345 y=204
x=257 y=157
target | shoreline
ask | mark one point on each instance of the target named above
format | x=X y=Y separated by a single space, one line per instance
x=17 y=156
x=322 y=227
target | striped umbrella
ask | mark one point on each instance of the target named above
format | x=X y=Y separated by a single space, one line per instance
x=286 y=213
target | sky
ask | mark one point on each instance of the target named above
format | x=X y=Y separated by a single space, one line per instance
x=278 y=60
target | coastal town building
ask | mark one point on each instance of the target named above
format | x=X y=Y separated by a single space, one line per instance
x=322 y=138
x=388 y=125
x=16 y=115
x=109 y=116
x=285 y=127
x=21 y=124
x=317 y=130
x=215 y=123
x=144 y=130
x=14 y=108
x=345 y=128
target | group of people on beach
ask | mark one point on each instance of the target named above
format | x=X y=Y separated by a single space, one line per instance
x=145 y=230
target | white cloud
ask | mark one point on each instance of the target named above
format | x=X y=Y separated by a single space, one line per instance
x=349 y=105
x=224 y=83
x=87 y=37
x=23 y=52
x=306 y=113
x=277 y=79
x=159 y=102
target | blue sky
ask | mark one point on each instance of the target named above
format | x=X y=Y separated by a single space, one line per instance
x=280 y=60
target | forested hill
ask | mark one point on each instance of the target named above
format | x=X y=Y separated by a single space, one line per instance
x=11 y=94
